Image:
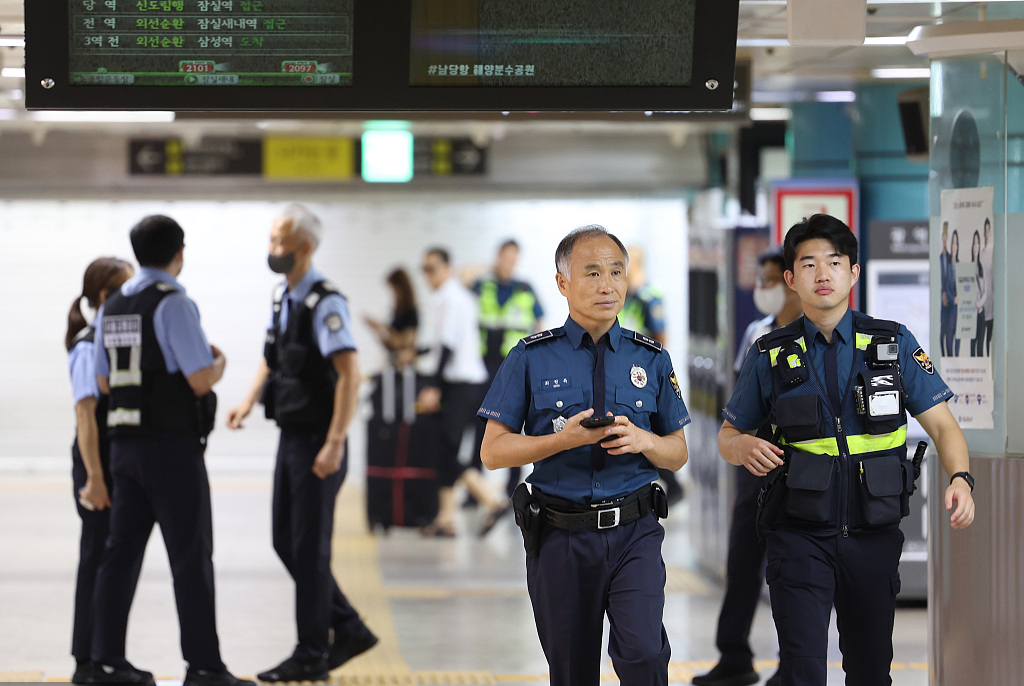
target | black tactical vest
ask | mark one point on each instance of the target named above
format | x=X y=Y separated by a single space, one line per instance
x=88 y=335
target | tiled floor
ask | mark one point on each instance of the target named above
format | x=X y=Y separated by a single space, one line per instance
x=447 y=610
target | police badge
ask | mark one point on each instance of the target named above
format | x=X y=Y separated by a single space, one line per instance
x=638 y=375
x=559 y=423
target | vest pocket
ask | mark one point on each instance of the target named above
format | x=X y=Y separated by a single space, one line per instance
x=799 y=417
x=882 y=490
x=808 y=495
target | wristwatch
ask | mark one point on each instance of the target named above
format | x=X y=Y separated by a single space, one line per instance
x=966 y=476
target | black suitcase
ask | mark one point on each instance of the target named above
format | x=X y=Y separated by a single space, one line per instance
x=401 y=446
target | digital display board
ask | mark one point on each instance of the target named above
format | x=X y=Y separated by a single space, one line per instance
x=210 y=42
x=496 y=43
x=381 y=56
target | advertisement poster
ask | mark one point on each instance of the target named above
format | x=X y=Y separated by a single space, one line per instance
x=966 y=293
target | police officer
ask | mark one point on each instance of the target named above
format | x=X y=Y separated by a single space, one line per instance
x=308 y=382
x=509 y=312
x=159 y=370
x=744 y=571
x=90 y=453
x=837 y=385
x=591 y=523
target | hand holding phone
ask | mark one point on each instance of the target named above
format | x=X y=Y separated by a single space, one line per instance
x=595 y=422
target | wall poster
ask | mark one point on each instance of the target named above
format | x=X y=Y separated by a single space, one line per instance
x=966 y=314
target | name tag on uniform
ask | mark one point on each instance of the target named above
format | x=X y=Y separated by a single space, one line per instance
x=122 y=331
x=554 y=384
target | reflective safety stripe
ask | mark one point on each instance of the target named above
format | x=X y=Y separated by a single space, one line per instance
x=863 y=341
x=774 y=352
x=124 y=417
x=120 y=378
x=858 y=444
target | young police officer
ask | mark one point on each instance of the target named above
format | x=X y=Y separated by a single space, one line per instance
x=309 y=383
x=591 y=523
x=159 y=370
x=837 y=385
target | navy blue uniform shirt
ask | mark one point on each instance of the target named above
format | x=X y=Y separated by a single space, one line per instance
x=548 y=377
x=750 y=404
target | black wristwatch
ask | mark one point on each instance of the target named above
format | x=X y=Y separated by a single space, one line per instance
x=966 y=476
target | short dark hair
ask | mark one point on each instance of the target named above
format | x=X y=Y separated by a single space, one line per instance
x=775 y=256
x=825 y=227
x=156 y=239
x=441 y=253
x=564 y=250
x=510 y=243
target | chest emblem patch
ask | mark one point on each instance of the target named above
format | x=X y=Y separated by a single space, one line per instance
x=638 y=375
x=921 y=357
x=559 y=423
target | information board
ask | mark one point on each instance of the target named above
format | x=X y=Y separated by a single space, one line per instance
x=372 y=56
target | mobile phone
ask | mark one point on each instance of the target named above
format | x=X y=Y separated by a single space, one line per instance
x=595 y=422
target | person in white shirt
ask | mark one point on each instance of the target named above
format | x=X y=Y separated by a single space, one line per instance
x=456 y=389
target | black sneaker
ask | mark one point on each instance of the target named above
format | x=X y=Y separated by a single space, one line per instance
x=728 y=674
x=83 y=672
x=213 y=677
x=348 y=647
x=122 y=674
x=294 y=669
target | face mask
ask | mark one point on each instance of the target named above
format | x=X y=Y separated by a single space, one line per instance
x=770 y=300
x=281 y=264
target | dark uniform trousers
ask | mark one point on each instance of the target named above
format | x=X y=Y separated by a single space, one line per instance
x=95 y=527
x=460 y=403
x=159 y=478
x=859 y=574
x=303 y=524
x=579 y=575
x=744 y=573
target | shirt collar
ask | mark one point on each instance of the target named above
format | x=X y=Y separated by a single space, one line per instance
x=844 y=329
x=147 y=276
x=577 y=334
x=304 y=286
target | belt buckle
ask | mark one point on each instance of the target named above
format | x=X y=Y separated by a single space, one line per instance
x=614 y=513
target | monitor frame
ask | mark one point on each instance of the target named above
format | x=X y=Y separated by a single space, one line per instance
x=381 y=75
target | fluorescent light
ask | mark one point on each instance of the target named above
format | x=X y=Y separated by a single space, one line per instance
x=75 y=116
x=885 y=40
x=761 y=42
x=13 y=72
x=901 y=73
x=11 y=42
x=770 y=113
x=15 y=94
x=835 y=96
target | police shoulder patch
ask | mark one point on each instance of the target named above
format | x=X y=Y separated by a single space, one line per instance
x=542 y=336
x=921 y=357
x=645 y=340
x=333 y=322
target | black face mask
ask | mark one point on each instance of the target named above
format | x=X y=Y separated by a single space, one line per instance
x=281 y=264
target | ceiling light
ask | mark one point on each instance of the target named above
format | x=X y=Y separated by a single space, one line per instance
x=902 y=73
x=770 y=113
x=11 y=42
x=835 y=96
x=885 y=40
x=76 y=116
x=13 y=72
x=761 y=42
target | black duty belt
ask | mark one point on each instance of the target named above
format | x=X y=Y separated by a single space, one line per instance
x=607 y=515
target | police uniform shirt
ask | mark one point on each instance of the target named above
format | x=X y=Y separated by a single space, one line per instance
x=548 y=378
x=456 y=327
x=755 y=330
x=175 y=322
x=82 y=367
x=750 y=404
x=332 y=323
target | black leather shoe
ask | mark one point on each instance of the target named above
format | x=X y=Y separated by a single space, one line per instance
x=83 y=672
x=293 y=669
x=213 y=677
x=348 y=647
x=123 y=674
x=728 y=674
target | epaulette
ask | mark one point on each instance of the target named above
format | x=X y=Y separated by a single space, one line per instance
x=638 y=337
x=543 y=336
x=771 y=339
x=320 y=290
x=165 y=287
x=882 y=327
x=86 y=334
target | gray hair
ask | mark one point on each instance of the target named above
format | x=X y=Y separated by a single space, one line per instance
x=304 y=223
x=564 y=251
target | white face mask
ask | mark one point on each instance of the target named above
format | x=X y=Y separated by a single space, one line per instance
x=770 y=300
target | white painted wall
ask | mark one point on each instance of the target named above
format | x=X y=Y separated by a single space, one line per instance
x=46 y=246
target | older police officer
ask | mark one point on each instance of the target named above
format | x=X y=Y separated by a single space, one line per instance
x=837 y=384
x=309 y=383
x=159 y=370
x=591 y=523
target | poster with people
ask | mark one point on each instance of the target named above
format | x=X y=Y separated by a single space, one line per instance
x=966 y=289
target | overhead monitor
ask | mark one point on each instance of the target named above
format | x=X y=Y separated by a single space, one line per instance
x=368 y=55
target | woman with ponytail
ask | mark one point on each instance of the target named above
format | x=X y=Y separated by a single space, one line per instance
x=90 y=451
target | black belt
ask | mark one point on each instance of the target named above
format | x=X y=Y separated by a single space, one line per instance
x=606 y=515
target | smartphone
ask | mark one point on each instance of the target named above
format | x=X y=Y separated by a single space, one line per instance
x=595 y=422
